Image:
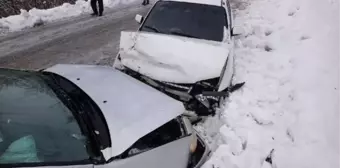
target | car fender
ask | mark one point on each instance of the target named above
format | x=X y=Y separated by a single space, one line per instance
x=228 y=70
x=172 y=155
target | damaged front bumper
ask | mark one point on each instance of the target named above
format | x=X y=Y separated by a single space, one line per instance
x=200 y=98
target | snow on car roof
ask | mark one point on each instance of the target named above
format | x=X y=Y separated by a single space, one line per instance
x=207 y=2
x=131 y=108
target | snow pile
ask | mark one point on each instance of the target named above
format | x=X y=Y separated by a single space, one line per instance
x=36 y=17
x=287 y=114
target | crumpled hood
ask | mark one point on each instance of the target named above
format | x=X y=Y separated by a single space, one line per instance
x=172 y=58
x=131 y=108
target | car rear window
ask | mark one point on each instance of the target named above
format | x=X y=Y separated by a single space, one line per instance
x=195 y=20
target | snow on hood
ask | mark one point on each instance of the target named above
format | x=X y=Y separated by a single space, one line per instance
x=132 y=109
x=172 y=58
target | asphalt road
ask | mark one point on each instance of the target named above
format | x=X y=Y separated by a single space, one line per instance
x=83 y=40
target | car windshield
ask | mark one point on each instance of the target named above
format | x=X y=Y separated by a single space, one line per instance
x=35 y=124
x=187 y=19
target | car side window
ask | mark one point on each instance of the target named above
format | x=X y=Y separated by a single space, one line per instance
x=36 y=128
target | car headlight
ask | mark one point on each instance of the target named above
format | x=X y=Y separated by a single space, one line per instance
x=193 y=144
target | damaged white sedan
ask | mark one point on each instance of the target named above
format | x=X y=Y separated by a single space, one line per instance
x=185 y=49
x=92 y=117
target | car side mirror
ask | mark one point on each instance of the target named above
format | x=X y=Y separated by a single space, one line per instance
x=237 y=30
x=139 y=18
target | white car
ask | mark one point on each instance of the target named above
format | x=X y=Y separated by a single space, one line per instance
x=92 y=117
x=185 y=49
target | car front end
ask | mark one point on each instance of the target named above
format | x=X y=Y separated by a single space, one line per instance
x=163 y=125
x=188 y=70
x=192 y=95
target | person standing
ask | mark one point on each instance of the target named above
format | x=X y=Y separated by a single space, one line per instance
x=94 y=7
x=145 y=2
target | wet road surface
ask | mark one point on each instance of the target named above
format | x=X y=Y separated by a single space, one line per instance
x=83 y=40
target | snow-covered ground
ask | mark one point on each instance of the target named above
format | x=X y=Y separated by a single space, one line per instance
x=287 y=114
x=36 y=17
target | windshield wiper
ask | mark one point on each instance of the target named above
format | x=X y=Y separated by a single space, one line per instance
x=152 y=28
x=181 y=34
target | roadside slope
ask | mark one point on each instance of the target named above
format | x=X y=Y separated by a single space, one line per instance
x=287 y=115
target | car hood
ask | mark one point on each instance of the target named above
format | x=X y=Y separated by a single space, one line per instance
x=170 y=58
x=132 y=109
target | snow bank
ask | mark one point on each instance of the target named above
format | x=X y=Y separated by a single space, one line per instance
x=35 y=17
x=287 y=115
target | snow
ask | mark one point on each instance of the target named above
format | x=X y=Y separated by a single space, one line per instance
x=287 y=114
x=36 y=17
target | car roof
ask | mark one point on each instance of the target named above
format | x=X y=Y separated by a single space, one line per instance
x=131 y=108
x=206 y=2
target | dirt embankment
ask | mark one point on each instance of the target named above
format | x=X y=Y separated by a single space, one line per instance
x=12 y=7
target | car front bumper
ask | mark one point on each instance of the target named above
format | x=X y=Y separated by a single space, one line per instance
x=192 y=95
